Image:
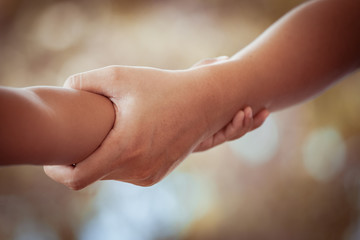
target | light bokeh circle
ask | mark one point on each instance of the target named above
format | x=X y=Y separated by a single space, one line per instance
x=259 y=146
x=324 y=153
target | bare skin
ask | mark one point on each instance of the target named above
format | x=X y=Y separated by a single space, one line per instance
x=301 y=55
x=242 y=122
x=51 y=125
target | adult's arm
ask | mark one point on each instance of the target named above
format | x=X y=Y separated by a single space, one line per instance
x=51 y=125
x=163 y=115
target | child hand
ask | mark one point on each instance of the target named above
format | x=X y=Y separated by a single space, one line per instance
x=242 y=123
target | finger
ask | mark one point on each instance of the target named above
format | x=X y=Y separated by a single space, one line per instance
x=240 y=125
x=204 y=145
x=260 y=118
x=79 y=176
x=235 y=128
x=60 y=174
x=248 y=120
x=219 y=138
x=231 y=130
x=87 y=171
x=96 y=81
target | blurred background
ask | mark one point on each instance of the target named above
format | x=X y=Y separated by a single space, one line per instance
x=295 y=178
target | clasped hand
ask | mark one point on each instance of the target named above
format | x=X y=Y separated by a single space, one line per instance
x=161 y=117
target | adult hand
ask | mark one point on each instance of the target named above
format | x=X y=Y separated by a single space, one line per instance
x=161 y=117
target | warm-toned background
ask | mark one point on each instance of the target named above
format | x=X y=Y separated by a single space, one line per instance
x=295 y=178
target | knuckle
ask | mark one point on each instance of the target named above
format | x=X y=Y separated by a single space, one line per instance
x=69 y=82
x=74 y=81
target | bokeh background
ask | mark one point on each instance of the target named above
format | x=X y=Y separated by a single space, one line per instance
x=295 y=178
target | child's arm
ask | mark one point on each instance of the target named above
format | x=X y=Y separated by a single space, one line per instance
x=51 y=125
x=300 y=55
x=295 y=59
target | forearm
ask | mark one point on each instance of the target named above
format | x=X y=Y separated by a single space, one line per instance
x=49 y=125
x=299 y=56
x=306 y=51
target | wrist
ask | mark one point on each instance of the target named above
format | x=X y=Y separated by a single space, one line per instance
x=215 y=90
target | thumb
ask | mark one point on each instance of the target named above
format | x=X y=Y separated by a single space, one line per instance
x=95 y=81
x=81 y=175
x=94 y=167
